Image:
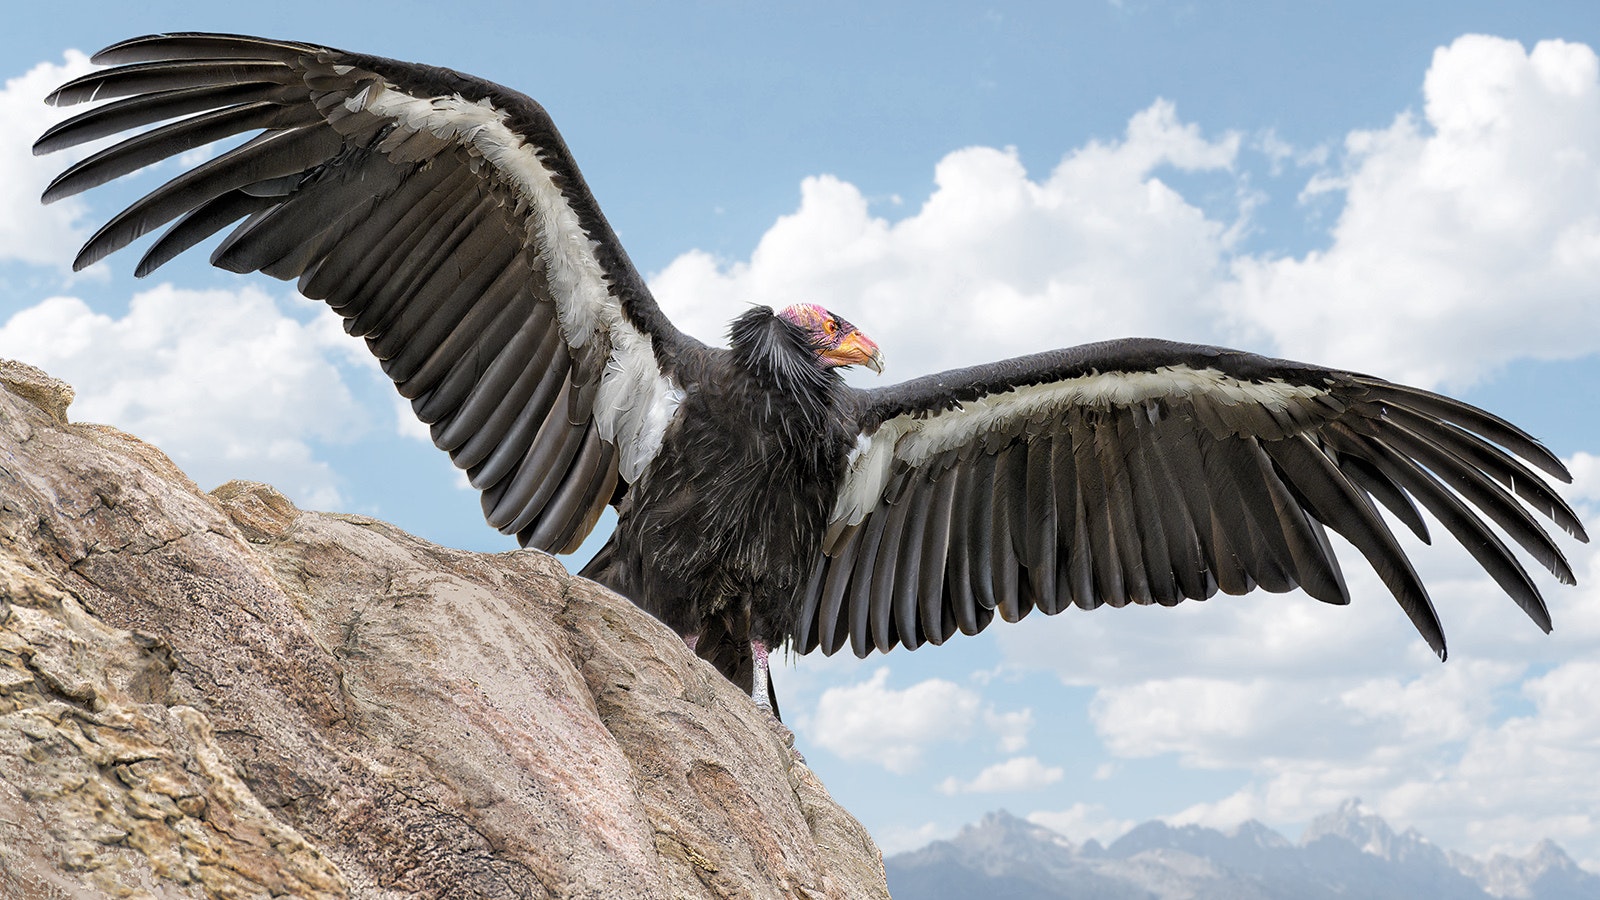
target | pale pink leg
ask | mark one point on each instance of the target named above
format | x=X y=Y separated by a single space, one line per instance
x=758 y=689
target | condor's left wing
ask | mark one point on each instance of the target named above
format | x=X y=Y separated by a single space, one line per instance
x=1144 y=471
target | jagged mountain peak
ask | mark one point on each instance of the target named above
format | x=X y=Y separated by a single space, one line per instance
x=1002 y=826
x=1546 y=872
x=1550 y=854
x=1199 y=840
x=1355 y=823
x=1259 y=833
x=1349 y=852
x=1351 y=819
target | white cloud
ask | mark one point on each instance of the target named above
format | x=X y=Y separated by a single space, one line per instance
x=406 y=423
x=1585 y=469
x=223 y=381
x=1004 y=264
x=1465 y=233
x=899 y=839
x=1020 y=773
x=1441 y=706
x=874 y=722
x=30 y=232
x=1189 y=716
x=1082 y=822
x=1489 y=786
x=1280 y=152
x=893 y=728
x=1010 y=729
x=1275 y=724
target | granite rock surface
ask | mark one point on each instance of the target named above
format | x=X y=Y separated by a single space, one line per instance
x=220 y=695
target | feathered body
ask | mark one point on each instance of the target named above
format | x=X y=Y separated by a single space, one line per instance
x=761 y=500
x=720 y=536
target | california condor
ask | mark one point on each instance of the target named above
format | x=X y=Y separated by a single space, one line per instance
x=761 y=501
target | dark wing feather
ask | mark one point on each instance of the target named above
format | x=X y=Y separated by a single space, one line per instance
x=932 y=598
x=198 y=224
x=146 y=109
x=439 y=214
x=1039 y=524
x=1145 y=471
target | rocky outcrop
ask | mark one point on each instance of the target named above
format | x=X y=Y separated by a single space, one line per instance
x=219 y=695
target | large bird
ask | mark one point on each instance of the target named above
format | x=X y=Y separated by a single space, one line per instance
x=761 y=501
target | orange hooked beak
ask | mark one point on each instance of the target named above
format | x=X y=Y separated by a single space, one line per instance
x=856 y=349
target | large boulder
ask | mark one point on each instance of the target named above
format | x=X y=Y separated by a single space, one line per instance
x=220 y=695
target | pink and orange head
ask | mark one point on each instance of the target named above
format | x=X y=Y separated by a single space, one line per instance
x=837 y=342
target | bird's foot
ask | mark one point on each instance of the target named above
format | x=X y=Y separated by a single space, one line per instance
x=785 y=737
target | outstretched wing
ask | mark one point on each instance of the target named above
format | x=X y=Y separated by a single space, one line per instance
x=1145 y=471
x=440 y=215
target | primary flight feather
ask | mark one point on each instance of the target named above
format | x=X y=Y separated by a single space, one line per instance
x=761 y=501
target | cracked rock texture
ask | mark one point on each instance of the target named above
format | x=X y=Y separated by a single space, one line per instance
x=219 y=695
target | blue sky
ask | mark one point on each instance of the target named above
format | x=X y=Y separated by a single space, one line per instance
x=1348 y=183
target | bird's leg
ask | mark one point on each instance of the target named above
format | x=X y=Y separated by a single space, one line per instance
x=763 y=698
x=758 y=685
x=691 y=640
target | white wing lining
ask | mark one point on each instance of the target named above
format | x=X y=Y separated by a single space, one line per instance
x=635 y=402
x=917 y=440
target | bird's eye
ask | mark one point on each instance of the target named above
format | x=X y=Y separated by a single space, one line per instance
x=828 y=326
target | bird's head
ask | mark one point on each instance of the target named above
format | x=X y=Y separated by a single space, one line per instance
x=836 y=342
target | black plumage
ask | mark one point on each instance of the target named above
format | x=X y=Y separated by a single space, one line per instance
x=762 y=501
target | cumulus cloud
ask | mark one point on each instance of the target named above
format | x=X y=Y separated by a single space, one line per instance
x=1083 y=822
x=1020 y=773
x=994 y=263
x=1267 y=722
x=1439 y=707
x=224 y=381
x=1009 y=729
x=890 y=727
x=893 y=728
x=29 y=232
x=1585 y=469
x=1206 y=720
x=1465 y=233
x=1494 y=786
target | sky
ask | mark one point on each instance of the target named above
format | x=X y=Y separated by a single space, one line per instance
x=1409 y=190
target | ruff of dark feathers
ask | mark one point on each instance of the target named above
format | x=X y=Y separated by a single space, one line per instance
x=779 y=354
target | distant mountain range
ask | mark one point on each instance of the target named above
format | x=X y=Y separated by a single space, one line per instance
x=1345 y=854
